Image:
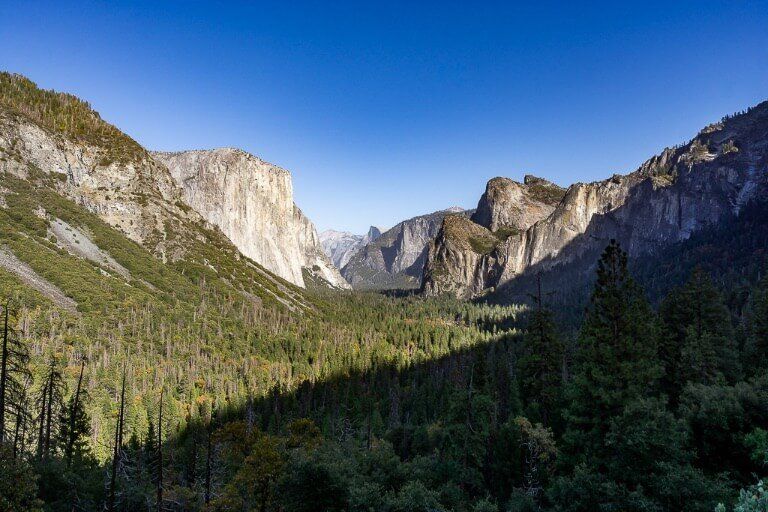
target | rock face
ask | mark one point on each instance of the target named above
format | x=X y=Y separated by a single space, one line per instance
x=251 y=201
x=396 y=258
x=465 y=255
x=125 y=187
x=92 y=163
x=340 y=246
x=669 y=197
x=506 y=204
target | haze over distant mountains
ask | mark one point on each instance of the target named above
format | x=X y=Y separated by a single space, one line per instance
x=340 y=246
x=396 y=258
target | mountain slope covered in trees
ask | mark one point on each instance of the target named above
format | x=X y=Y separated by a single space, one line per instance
x=150 y=366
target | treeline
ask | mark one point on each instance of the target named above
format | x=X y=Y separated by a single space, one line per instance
x=66 y=114
x=643 y=410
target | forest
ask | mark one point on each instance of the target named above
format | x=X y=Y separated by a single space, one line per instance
x=397 y=403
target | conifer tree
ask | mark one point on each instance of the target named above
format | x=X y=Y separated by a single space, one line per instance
x=542 y=362
x=117 y=449
x=75 y=425
x=697 y=342
x=14 y=375
x=758 y=328
x=616 y=362
x=51 y=403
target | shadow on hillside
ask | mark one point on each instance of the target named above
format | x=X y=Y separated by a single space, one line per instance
x=718 y=248
x=388 y=395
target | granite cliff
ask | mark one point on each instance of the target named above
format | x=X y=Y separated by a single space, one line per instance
x=55 y=140
x=251 y=201
x=664 y=201
x=340 y=246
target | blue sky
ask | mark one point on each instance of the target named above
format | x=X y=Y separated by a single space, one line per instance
x=386 y=111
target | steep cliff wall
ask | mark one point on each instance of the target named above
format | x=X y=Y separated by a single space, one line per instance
x=129 y=190
x=251 y=201
x=60 y=164
x=669 y=197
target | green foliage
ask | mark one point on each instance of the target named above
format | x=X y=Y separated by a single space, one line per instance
x=312 y=484
x=757 y=442
x=364 y=402
x=18 y=484
x=66 y=114
x=546 y=193
x=616 y=361
x=753 y=499
x=697 y=342
x=252 y=486
x=482 y=245
x=757 y=348
x=541 y=366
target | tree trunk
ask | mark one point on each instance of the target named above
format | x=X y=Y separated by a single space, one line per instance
x=42 y=423
x=160 y=456
x=208 y=468
x=3 y=375
x=118 y=448
x=72 y=419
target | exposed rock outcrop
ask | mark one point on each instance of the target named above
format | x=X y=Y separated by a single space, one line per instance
x=396 y=259
x=461 y=259
x=507 y=204
x=251 y=201
x=340 y=246
x=666 y=199
x=57 y=141
x=465 y=255
x=136 y=195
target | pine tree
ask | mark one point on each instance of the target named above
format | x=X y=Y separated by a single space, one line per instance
x=75 y=424
x=697 y=342
x=51 y=403
x=117 y=448
x=542 y=363
x=14 y=376
x=758 y=328
x=616 y=362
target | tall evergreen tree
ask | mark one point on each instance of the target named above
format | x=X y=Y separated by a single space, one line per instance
x=757 y=352
x=14 y=376
x=117 y=448
x=541 y=366
x=75 y=424
x=51 y=403
x=616 y=362
x=697 y=341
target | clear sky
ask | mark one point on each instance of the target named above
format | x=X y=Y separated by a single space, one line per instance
x=386 y=111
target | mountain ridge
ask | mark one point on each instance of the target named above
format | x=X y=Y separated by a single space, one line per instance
x=340 y=246
x=664 y=200
x=396 y=258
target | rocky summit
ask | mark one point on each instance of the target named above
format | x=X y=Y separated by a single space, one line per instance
x=340 y=246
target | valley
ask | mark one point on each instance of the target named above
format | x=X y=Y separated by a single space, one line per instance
x=178 y=336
